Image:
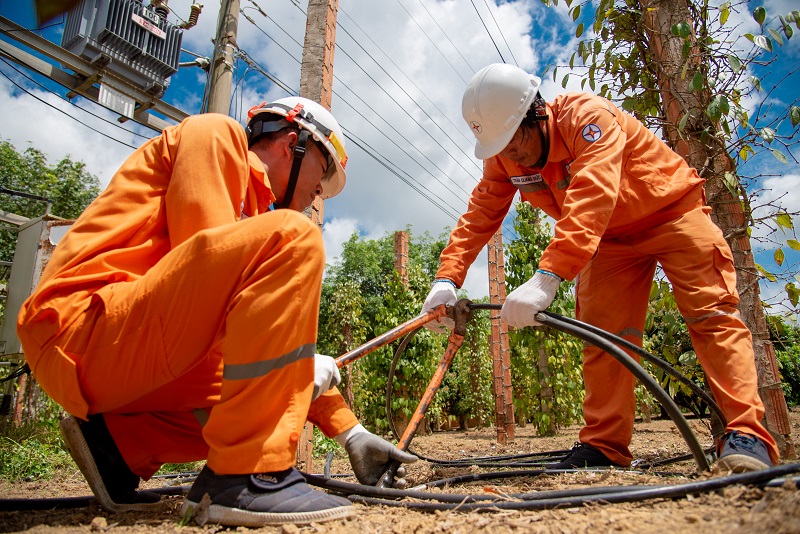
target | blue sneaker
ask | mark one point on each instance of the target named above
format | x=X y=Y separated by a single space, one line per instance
x=739 y=453
x=261 y=499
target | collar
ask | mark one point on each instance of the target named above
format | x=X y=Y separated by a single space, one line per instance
x=259 y=196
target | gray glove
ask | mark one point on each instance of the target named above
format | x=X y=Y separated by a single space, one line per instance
x=369 y=455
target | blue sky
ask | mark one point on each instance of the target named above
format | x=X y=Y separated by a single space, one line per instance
x=400 y=70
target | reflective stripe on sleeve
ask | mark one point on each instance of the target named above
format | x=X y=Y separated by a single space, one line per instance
x=255 y=369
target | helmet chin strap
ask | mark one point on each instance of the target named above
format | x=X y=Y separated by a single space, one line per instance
x=299 y=153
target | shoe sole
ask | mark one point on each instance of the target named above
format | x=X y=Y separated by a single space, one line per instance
x=738 y=463
x=79 y=450
x=225 y=515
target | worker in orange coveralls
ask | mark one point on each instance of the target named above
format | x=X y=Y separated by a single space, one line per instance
x=177 y=320
x=623 y=202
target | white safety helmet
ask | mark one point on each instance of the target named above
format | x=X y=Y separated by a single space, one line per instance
x=494 y=104
x=310 y=116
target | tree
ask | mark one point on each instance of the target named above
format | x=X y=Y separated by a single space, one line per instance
x=363 y=297
x=546 y=365
x=67 y=184
x=677 y=66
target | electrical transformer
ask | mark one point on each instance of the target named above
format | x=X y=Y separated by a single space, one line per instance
x=126 y=37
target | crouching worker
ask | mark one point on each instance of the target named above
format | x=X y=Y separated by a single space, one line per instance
x=176 y=320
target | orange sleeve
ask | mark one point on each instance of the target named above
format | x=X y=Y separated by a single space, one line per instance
x=593 y=190
x=488 y=205
x=331 y=414
x=210 y=173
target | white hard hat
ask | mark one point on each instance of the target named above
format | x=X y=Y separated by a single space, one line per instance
x=318 y=121
x=494 y=104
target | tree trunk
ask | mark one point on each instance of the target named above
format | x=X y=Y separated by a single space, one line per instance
x=729 y=211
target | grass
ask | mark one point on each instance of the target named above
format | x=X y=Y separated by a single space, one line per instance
x=32 y=451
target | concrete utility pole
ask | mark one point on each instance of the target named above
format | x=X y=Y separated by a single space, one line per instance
x=221 y=81
x=498 y=345
x=316 y=70
x=316 y=83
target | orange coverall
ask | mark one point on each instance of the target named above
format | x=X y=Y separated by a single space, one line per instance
x=162 y=302
x=623 y=201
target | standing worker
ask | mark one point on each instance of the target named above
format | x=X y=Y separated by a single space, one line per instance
x=177 y=319
x=623 y=202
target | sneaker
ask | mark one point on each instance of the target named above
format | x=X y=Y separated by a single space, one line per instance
x=739 y=453
x=583 y=455
x=261 y=499
x=113 y=483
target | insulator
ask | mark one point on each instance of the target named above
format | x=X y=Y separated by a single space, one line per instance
x=194 y=13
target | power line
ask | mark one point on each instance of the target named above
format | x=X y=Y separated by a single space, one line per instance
x=487 y=31
x=112 y=123
x=500 y=30
x=64 y=112
x=445 y=35
x=382 y=160
x=421 y=92
x=390 y=97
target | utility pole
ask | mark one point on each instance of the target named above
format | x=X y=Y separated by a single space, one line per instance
x=316 y=69
x=221 y=81
x=316 y=83
x=498 y=345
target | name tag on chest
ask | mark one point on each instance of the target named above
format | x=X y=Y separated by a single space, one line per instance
x=529 y=183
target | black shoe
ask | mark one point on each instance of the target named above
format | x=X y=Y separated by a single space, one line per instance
x=583 y=455
x=261 y=499
x=739 y=453
x=113 y=483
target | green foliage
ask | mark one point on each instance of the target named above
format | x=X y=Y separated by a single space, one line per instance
x=785 y=338
x=720 y=75
x=32 y=451
x=362 y=298
x=67 y=184
x=546 y=365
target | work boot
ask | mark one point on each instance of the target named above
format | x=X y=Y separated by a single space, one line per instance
x=583 y=455
x=262 y=499
x=113 y=483
x=739 y=453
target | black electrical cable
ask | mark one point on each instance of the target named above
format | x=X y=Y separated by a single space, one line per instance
x=61 y=503
x=603 y=340
x=609 y=494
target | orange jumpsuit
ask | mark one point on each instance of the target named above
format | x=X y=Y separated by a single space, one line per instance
x=191 y=327
x=623 y=202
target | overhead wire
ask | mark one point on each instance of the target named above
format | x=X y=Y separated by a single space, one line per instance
x=383 y=89
x=21 y=88
x=500 y=31
x=471 y=68
x=488 y=32
x=459 y=194
x=421 y=92
x=442 y=204
x=44 y=88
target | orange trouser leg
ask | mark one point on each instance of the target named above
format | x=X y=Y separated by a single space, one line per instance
x=699 y=264
x=612 y=294
x=227 y=319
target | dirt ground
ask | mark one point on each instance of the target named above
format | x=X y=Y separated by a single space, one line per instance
x=731 y=510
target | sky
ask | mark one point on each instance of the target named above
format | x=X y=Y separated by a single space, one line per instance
x=400 y=67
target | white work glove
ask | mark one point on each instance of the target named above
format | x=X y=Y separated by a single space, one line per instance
x=326 y=375
x=370 y=455
x=442 y=292
x=530 y=298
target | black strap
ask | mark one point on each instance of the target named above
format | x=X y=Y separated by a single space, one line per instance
x=299 y=153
